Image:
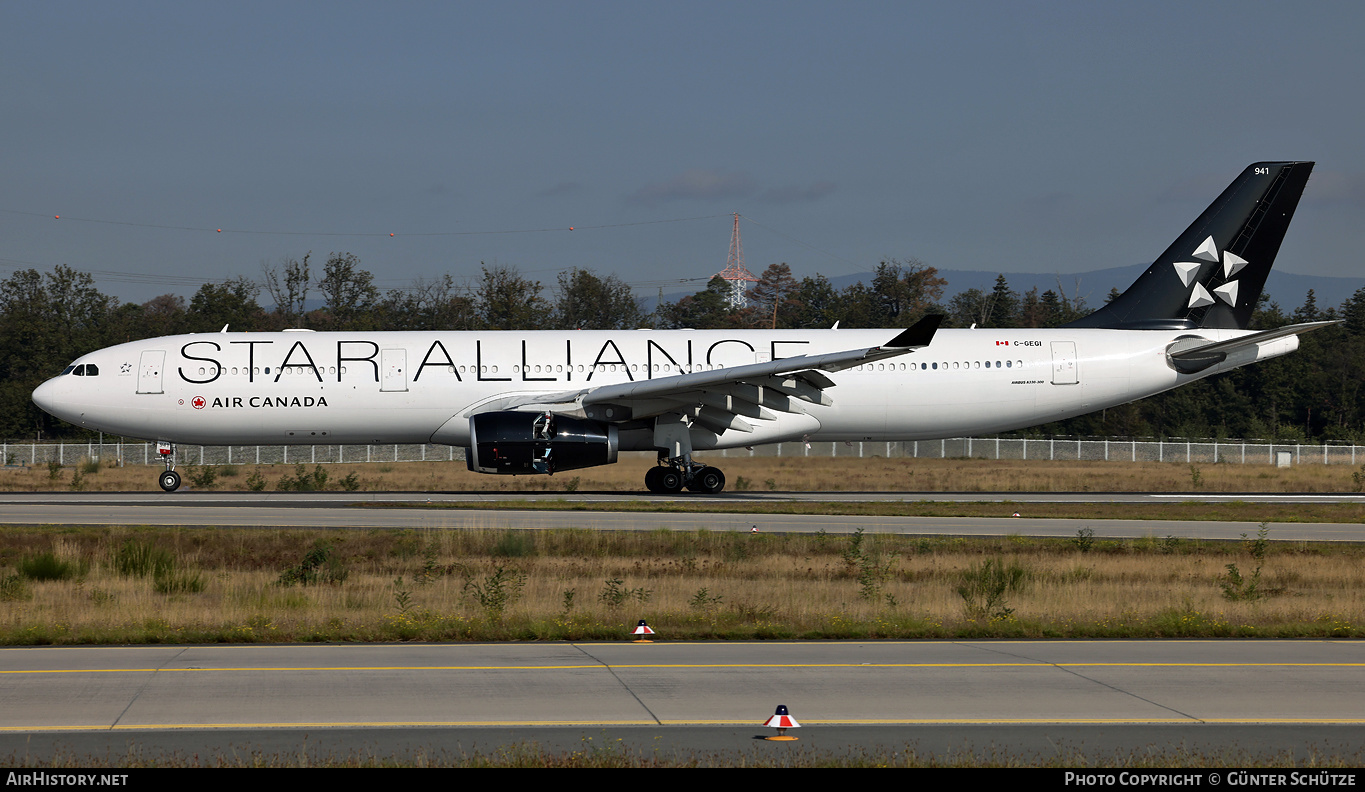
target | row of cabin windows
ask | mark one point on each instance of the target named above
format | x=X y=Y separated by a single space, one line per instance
x=90 y=370
x=609 y=367
x=945 y=365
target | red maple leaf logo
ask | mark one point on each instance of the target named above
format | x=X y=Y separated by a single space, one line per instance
x=198 y=402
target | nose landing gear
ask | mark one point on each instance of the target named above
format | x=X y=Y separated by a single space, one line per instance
x=170 y=480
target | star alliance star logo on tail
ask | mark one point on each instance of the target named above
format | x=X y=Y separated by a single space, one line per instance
x=1189 y=270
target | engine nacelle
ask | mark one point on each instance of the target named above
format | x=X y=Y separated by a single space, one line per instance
x=521 y=443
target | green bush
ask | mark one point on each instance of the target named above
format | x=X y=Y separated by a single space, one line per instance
x=141 y=559
x=497 y=590
x=303 y=481
x=515 y=544
x=319 y=565
x=202 y=477
x=179 y=582
x=615 y=594
x=983 y=588
x=47 y=566
x=13 y=589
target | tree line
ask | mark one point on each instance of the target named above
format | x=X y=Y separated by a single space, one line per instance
x=48 y=319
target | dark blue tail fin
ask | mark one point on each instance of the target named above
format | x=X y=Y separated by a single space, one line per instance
x=1213 y=274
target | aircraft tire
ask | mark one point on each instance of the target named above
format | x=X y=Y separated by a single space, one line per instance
x=652 y=479
x=710 y=481
x=170 y=481
x=670 y=480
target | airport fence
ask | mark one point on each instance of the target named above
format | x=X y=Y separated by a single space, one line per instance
x=145 y=453
x=1062 y=449
x=1080 y=450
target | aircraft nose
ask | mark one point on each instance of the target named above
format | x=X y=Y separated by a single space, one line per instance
x=47 y=397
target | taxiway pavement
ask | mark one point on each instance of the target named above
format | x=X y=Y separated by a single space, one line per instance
x=340 y=510
x=1017 y=696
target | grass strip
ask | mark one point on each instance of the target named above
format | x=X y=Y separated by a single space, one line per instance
x=585 y=585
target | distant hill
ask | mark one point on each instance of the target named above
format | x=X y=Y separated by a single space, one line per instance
x=1285 y=288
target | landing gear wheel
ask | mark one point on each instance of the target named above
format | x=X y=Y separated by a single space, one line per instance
x=170 y=481
x=670 y=480
x=708 y=480
x=652 y=482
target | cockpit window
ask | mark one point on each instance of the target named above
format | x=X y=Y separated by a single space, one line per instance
x=91 y=370
x=67 y=370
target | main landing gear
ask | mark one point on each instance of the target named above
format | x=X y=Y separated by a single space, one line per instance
x=673 y=438
x=170 y=480
x=672 y=474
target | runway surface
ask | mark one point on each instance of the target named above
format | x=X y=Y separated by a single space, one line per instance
x=191 y=498
x=1022 y=696
x=337 y=510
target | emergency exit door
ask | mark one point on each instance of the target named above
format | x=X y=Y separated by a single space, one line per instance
x=149 y=371
x=1064 y=368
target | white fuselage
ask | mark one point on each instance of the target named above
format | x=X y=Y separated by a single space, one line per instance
x=416 y=387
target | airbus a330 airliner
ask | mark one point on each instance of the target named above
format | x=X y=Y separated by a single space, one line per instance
x=547 y=401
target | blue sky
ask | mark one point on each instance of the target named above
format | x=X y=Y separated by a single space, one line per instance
x=1014 y=137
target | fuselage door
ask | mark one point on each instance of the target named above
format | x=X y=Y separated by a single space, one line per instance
x=149 y=370
x=393 y=363
x=1064 y=368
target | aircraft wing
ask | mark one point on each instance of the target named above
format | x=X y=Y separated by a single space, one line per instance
x=723 y=398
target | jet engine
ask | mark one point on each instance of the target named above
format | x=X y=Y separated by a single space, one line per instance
x=521 y=443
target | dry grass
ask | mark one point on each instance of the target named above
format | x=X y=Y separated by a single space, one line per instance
x=1230 y=510
x=404 y=585
x=782 y=474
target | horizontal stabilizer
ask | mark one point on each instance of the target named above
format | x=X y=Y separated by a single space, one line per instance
x=1191 y=355
x=1254 y=338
